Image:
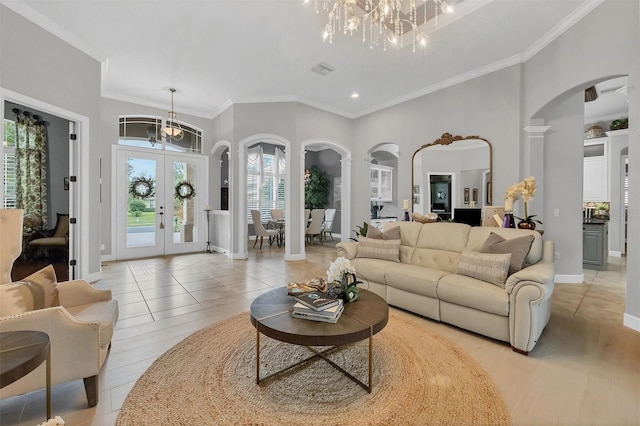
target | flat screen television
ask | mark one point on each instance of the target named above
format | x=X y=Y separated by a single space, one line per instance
x=471 y=217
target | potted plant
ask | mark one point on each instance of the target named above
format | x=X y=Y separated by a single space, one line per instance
x=316 y=189
x=528 y=222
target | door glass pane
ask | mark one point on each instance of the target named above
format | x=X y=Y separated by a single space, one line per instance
x=141 y=216
x=185 y=206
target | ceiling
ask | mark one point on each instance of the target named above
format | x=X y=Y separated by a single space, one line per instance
x=220 y=52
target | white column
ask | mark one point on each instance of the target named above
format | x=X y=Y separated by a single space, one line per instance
x=534 y=166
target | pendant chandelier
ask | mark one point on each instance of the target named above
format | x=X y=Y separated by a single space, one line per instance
x=384 y=22
x=172 y=131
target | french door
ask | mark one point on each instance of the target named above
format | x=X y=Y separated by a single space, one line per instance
x=159 y=201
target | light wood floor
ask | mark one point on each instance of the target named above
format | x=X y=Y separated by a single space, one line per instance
x=584 y=370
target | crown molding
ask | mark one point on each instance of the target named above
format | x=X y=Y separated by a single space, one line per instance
x=48 y=25
x=292 y=98
x=478 y=72
x=581 y=11
x=536 y=129
x=164 y=106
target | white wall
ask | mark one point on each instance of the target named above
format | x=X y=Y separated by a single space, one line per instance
x=490 y=106
x=566 y=67
x=36 y=65
x=293 y=122
x=110 y=110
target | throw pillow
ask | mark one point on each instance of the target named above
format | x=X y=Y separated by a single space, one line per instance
x=46 y=280
x=379 y=249
x=518 y=247
x=488 y=267
x=390 y=234
x=15 y=298
x=428 y=218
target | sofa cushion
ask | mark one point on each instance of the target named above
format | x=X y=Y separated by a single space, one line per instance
x=414 y=279
x=106 y=313
x=371 y=269
x=488 y=267
x=409 y=232
x=472 y=293
x=379 y=249
x=518 y=247
x=389 y=234
x=46 y=280
x=439 y=245
x=478 y=236
x=16 y=298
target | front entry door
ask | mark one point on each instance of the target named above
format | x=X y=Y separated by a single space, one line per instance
x=160 y=199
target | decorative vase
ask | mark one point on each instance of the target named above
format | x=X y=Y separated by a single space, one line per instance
x=526 y=225
x=508 y=221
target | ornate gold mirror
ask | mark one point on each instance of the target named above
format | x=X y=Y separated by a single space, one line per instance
x=453 y=172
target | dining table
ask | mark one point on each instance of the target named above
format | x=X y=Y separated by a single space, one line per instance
x=279 y=226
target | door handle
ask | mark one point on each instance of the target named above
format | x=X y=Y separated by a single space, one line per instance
x=161 y=218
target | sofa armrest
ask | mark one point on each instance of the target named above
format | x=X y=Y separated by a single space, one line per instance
x=530 y=291
x=75 y=344
x=80 y=292
x=347 y=249
x=541 y=274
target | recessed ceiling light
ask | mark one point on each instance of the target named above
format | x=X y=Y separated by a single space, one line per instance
x=355 y=95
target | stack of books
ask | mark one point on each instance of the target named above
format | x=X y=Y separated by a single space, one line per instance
x=317 y=306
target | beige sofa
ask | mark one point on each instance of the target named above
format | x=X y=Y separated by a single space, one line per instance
x=425 y=280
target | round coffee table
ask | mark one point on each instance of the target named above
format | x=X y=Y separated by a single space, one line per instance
x=21 y=352
x=271 y=316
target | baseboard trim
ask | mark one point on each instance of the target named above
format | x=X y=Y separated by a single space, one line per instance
x=293 y=257
x=615 y=253
x=221 y=250
x=107 y=258
x=631 y=322
x=569 y=279
x=239 y=256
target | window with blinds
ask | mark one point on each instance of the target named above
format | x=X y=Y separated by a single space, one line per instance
x=9 y=170
x=265 y=181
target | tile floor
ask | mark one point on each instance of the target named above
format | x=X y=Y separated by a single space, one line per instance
x=584 y=370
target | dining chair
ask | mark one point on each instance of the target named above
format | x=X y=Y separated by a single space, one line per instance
x=261 y=231
x=315 y=227
x=327 y=226
x=277 y=214
x=307 y=216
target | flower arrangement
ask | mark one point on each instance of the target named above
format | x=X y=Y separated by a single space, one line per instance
x=343 y=276
x=526 y=189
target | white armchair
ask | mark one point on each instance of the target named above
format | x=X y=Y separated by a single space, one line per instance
x=78 y=318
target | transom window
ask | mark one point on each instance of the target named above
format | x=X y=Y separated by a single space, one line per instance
x=265 y=180
x=144 y=131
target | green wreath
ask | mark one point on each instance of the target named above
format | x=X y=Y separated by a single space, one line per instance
x=142 y=187
x=185 y=190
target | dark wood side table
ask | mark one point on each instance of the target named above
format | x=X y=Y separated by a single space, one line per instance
x=271 y=316
x=21 y=352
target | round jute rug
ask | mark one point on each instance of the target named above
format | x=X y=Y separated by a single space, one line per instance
x=209 y=379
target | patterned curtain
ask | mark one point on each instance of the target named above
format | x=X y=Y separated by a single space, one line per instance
x=31 y=166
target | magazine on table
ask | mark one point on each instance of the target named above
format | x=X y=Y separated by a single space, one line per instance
x=317 y=300
x=329 y=315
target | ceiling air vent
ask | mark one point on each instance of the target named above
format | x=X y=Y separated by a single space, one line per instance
x=322 y=69
x=590 y=94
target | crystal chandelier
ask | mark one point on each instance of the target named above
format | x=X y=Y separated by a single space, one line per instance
x=172 y=131
x=389 y=21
